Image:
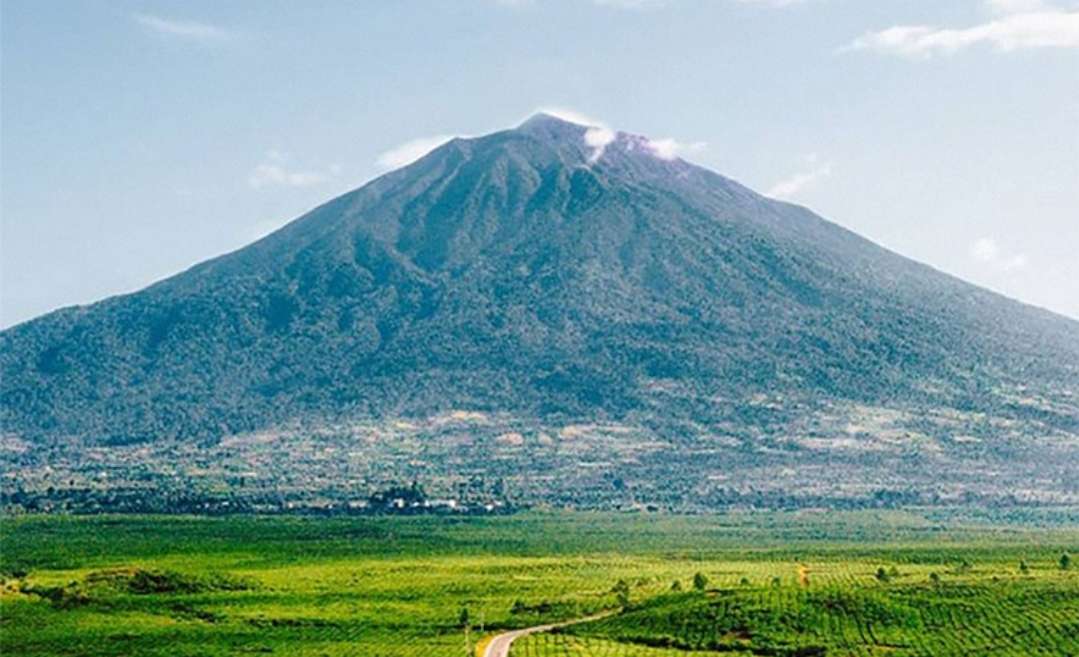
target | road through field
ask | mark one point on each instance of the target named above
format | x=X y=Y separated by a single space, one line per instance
x=500 y=644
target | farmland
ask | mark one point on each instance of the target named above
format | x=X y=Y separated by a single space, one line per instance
x=931 y=582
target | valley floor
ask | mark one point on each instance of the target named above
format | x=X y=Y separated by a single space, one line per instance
x=798 y=584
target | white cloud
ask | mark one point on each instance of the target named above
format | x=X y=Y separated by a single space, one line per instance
x=1018 y=24
x=182 y=28
x=598 y=135
x=790 y=187
x=639 y=5
x=632 y=4
x=987 y=251
x=669 y=149
x=772 y=3
x=274 y=171
x=410 y=151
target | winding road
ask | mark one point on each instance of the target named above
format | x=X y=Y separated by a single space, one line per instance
x=500 y=644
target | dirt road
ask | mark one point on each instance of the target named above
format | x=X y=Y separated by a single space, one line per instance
x=500 y=644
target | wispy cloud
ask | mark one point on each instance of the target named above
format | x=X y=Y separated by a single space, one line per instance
x=773 y=3
x=614 y=4
x=987 y=251
x=633 y=4
x=789 y=187
x=669 y=149
x=598 y=136
x=274 y=171
x=656 y=4
x=183 y=28
x=1015 y=25
x=639 y=5
x=410 y=151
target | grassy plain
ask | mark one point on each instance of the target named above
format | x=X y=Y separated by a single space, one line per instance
x=778 y=583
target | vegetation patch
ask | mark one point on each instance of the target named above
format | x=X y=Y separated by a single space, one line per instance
x=106 y=585
x=774 y=584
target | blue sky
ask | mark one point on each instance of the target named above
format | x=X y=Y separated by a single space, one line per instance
x=140 y=138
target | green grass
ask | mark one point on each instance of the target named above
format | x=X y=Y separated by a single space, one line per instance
x=394 y=587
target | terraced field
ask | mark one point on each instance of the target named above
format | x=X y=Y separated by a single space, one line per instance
x=766 y=583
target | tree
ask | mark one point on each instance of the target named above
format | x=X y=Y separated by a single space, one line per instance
x=463 y=619
x=676 y=585
x=1023 y=567
x=1065 y=561
x=934 y=578
x=882 y=575
x=700 y=582
x=621 y=592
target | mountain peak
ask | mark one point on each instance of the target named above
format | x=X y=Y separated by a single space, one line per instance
x=594 y=140
x=543 y=118
x=550 y=127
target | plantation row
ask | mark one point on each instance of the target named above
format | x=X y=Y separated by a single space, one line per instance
x=988 y=615
x=562 y=645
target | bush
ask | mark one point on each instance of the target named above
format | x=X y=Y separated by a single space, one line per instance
x=700 y=582
x=64 y=597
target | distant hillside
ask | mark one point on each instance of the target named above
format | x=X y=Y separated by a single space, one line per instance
x=527 y=278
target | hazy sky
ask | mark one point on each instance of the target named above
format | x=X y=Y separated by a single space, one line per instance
x=140 y=138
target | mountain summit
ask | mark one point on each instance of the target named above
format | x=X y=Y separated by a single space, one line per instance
x=551 y=276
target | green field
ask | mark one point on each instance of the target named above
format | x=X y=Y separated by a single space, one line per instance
x=776 y=584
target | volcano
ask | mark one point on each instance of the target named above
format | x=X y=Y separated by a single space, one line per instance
x=554 y=276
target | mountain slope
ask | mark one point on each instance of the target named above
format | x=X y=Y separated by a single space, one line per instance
x=525 y=273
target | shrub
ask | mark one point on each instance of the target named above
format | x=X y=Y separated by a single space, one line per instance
x=700 y=582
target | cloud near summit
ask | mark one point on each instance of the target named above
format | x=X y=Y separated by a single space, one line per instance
x=598 y=136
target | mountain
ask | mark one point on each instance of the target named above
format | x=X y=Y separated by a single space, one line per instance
x=530 y=283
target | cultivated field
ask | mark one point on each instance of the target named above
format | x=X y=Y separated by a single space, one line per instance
x=855 y=583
